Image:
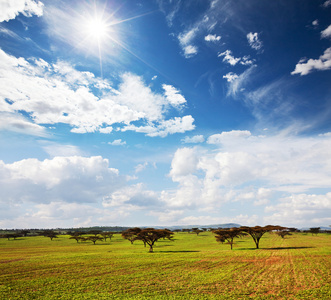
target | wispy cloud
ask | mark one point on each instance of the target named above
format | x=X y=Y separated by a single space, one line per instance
x=10 y=121
x=185 y=40
x=327 y=3
x=118 y=142
x=54 y=149
x=237 y=84
x=194 y=139
x=254 y=41
x=164 y=128
x=170 y=9
x=230 y=59
x=227 y=136
x=141 y=167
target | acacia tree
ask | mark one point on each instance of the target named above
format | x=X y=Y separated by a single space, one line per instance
x=196 y=230
x=283 y=233
x=168 y=234
x=11 y=235
x=107 y=234
x=131 y=234
x=94 y=238
x=95 y=232
x=76 y=236
x=257 y=232
x=314 y=230
x=150 y=235
x=50 y=233
x=228 y=235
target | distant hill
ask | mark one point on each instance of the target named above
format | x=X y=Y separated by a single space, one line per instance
x=322 y=228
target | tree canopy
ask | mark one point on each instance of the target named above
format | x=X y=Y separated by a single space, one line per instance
x=150 y=235
x=257 y=232
x=228 y=235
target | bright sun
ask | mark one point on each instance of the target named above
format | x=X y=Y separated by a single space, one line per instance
x=97 y=28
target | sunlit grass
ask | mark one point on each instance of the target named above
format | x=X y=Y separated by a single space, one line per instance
x=191 y=267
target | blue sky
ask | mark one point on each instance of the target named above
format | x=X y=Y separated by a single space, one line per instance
x=165 y=112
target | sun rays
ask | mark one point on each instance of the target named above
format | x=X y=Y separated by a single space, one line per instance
x=99 y=30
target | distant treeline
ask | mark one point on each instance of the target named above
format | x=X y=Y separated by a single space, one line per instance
x=35 y=231
x=120 y=229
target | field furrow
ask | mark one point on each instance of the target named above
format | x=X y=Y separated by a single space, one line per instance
x=191 y=267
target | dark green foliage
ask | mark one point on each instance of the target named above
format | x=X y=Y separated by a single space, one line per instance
x=150 y=235
x=314 y=230
x=131 y=234
x=257 y=232
x=228 y=235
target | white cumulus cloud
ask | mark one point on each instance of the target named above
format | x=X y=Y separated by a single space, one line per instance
x=305 y=67
x=230 y=76
x=58 y=93
x=173 y=95
x=212 y=38
x=68 y=179
x=326 y=33
x=229 y=58
x=9 y=9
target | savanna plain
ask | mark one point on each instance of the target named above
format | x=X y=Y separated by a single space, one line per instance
x=190 y=267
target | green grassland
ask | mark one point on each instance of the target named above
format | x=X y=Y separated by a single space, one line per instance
x=190 y=267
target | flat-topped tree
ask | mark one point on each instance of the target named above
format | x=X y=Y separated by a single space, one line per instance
x=107 y=234
x=196 y=230
x=94 y=238
x=131 y=234
x=228 y=235
x=95 y=232
x=283 y=233
x=50 y=233
x=11 y=235
x=257 y=232
x=76 y=236
x=314 y=230
x=150 y=235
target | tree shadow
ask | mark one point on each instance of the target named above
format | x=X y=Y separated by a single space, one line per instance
x=240 y=249
x=183 y=251
x=286 y=248
x=275 y=248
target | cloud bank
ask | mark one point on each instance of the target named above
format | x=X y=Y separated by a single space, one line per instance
x=58 y=93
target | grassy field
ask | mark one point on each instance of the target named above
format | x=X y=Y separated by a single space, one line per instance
x=191 y=267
